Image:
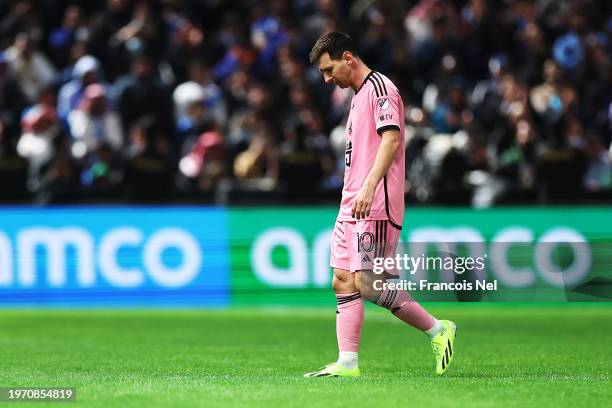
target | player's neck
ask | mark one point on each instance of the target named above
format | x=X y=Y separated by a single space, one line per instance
x=359 y=75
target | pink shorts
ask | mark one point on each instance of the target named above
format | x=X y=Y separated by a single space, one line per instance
x=355 y=244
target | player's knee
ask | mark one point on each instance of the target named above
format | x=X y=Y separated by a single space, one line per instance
x=365 y=284
x=343 y=282
x=341 y=286
x=369 y=294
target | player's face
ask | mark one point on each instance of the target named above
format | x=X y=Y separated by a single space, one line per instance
x=335 y=72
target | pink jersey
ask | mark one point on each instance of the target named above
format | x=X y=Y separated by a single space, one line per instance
x=375 y=107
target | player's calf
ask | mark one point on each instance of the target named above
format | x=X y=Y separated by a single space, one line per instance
x=401 y=304
x=398 y=302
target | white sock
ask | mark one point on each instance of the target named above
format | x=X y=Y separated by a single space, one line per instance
x=435 y=329
x=348 y=359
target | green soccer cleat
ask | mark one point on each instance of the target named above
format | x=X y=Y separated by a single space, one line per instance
x=443 y=345
x=335 y=370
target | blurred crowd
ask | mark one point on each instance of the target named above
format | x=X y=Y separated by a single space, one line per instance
x=506 y=101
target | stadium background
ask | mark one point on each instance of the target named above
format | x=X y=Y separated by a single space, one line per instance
x=184 y=154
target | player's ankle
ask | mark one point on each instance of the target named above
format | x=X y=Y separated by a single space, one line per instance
x=435 y=329
x=348 y=359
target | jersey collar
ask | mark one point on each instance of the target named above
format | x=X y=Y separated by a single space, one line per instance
x=364 y=81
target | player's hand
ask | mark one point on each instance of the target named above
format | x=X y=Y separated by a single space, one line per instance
x=363 y=202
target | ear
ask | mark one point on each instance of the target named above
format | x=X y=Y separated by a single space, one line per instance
x=347 y=56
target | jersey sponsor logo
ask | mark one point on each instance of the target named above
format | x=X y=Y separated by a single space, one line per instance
x=383 y=104
x=385 y=116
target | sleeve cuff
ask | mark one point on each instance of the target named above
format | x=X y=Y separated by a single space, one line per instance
x=386 y=127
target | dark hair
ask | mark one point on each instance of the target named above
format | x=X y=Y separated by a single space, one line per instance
x=334 y=43
x=148 y=124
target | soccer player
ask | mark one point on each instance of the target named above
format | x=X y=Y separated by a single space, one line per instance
x=372 y=207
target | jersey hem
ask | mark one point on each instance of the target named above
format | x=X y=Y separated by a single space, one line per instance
x=351 y=219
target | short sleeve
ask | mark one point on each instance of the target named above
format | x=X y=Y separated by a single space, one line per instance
x=386 y=113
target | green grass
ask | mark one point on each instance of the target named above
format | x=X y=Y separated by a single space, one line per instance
x=505 y=356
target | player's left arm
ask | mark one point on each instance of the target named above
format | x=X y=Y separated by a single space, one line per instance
x=385 y=155
x=387 y=112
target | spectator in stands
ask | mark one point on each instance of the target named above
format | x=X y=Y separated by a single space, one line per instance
x=94 y=123
x=142 y=93
x=486 y=97
x=30 y=66
x=102 y=173
x=77 y=51
x=598 y=175
x=300 y=165
x=186 y=40
x=260 y=159
x=39 y=142
x=205 y=164
x=267 y=35
x=86 y=71
x=189 y=109
x=145 y=32
x=13 y=168
x=24 y=16
x=12 y=99
x=150 y=168
x=198 y=104
x=74 y=28
x=103 y=42
x=214 y=98
x=59 y=184
x=524 y=125
x=546 y=97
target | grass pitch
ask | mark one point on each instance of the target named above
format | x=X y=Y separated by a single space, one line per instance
x=505 y=356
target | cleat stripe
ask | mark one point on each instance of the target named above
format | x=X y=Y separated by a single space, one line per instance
x=450 y=348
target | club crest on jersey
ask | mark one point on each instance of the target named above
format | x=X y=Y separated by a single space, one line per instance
x=383 y=104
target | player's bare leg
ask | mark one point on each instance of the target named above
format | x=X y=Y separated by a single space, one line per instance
x=349 y=320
